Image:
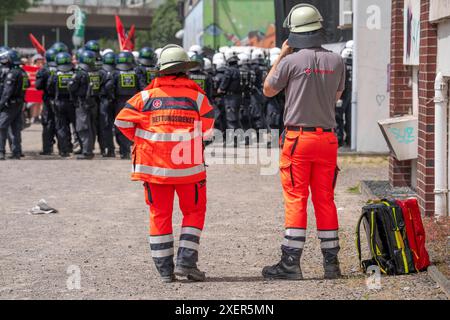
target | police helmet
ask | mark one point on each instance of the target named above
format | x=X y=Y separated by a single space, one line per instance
x=207 y=65
x=87 y=60
x=50 y=56
x=147 y=57
x=231 y=56
x=78 y=53
x=196 y=48
x=174 y=59
x=199 y=59
x=243 y=58
x=93 y=45
x=347 y=53
x=124 y=61
x=109 y=58
x=60 y=47
x=349 y=44
x=64 y=61
x=257 y=55
x=219 y=63
x=274 y=51
x=10 y=57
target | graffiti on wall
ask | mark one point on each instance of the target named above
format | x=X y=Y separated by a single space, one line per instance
x=411 y=32
x=239 y=23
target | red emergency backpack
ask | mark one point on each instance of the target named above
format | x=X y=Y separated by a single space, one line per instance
x=415 y=232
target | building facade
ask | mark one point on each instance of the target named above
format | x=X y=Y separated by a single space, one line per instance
x=420 y=46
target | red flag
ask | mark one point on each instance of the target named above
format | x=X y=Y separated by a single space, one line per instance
x=129 y=42
x=36 y=44
x=120 y=33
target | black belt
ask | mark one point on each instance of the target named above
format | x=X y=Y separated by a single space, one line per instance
x=308 y=129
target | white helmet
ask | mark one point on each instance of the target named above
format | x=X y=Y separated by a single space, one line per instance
x=191 y=54
x=207 y=65
x=223 y=49
x=274 y=51
x=349 y=44
x=218 y=56
x=230 y=54
x=273 y=58
x=243 y=58
x=135 y=54
x=196 y=48
x=102 y=53
x=257 y=54
x=347 y=53
x=219 y=63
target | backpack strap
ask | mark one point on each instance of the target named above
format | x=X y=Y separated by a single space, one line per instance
x=358 y=238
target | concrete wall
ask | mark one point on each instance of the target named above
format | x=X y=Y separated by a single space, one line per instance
x=372 y=19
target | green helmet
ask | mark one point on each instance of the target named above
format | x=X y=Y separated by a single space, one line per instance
x=60 y=47
x=64 y=61
x=199 y=59
x=109 y=58
x=124 y=60
x=303 y=18
x=50 y=56
x=87 y=60
x=174 y=59
x=147 y=56
x=93 y=45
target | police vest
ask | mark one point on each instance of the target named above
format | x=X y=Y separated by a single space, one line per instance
x=94 y=83
x=127 y=83
x=151 y=73
x=200 y=79
x=25 y=81
x=62 y=83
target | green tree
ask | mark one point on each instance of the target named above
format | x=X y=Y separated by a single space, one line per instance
x=165 y=24
x=9 y=8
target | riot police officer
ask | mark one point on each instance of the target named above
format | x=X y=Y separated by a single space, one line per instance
x=63 y=106
x=247 y=79
x=344 y=105
x=274 y=107
x=85 y=88
x=257 y=104
x=60 y=47
x=146 y=71
x=218 y=98
x=11 y=102
x=230 y=86
x=106 y=106
x=125 y=87
x=201 y=77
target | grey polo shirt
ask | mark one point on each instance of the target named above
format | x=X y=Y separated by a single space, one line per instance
x=311 y=77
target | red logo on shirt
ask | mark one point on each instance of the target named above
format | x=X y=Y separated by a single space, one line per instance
x=308 y=71
x=157 y=103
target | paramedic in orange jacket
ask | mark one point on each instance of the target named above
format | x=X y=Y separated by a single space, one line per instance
x=168 y=122
x=313 y=79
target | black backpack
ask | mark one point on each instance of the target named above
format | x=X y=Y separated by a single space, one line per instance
x=386 y=237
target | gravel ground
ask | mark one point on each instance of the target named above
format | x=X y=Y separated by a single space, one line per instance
x=102 y=225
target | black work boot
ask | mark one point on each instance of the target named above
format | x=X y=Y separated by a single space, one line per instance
x=192 y=273
x=287 y=269
x=85 y=156
x=2 y=156
x=331 y=263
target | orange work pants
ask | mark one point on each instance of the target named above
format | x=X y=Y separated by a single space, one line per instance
x=309 y=162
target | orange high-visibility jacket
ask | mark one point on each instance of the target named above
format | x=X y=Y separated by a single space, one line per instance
x=167 y=122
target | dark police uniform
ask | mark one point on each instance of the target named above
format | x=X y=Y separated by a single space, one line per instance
x=12 y=96
x=230 y=84
x=106 y=107
x=63 y=108
x=85 y=88
x=145 y=75
x=218 y=100
x=125 y=87
x=258 y=101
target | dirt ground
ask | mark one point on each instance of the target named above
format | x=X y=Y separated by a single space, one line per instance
x=101 y=230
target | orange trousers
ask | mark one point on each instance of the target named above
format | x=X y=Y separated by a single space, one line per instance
x=160 y=197
x=309 y=162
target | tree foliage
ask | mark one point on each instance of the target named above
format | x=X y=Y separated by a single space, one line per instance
x=165 y=24
x=9 y=8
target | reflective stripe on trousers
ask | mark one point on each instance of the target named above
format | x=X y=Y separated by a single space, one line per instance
x=189 y=245
x=329 y=239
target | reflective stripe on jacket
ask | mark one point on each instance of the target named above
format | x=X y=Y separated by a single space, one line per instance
x=167 y=122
